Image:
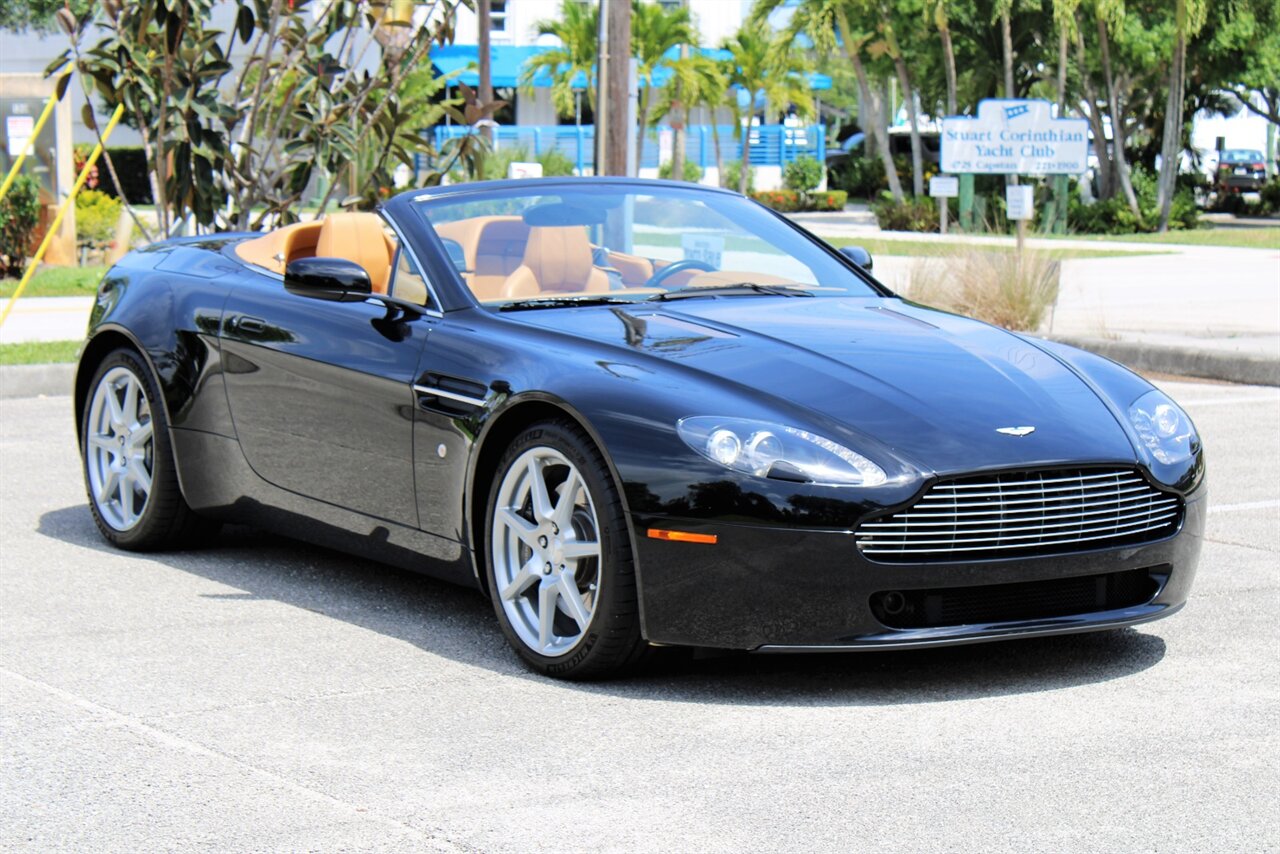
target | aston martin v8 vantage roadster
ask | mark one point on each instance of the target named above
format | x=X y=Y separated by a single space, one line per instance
x=634 y=414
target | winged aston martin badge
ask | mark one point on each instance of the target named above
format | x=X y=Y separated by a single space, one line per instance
x=1016 y=431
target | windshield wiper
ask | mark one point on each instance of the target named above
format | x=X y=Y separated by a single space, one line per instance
x=561 y=302
x=737 y=289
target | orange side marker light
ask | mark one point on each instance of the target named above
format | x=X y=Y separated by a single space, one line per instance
x=681 y=536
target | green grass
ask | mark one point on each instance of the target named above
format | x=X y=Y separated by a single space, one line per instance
x=1265 y=237
x=39 y=352
x=934 y=248
x=58 y=282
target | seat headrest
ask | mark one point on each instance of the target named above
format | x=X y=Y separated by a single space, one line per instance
x=559 y=257
x=358 y=237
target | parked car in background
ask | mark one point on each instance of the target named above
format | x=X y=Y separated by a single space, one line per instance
x=1241 y=170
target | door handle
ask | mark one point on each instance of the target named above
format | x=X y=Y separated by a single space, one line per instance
x=245 y=323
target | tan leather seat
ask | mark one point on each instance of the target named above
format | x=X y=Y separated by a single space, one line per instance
x=275 y=249
x=358 y=237
x=556 y=260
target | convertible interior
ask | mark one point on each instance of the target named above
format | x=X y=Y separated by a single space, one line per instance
x=500 y=258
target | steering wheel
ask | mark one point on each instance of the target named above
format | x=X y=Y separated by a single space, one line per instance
x=670 y=270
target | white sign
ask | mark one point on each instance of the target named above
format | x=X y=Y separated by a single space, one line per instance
x=18 y=130
x=524 y=170
x=1020 y=201
x=1015 y=138
x=944 y=186
x=707 y=248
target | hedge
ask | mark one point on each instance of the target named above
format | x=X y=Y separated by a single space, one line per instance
x=789 y=201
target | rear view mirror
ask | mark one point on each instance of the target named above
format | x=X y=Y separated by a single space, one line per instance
x=333 y=279
x=857 y=255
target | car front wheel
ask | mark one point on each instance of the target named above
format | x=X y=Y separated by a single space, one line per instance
x=129 y=470
x=561 y=571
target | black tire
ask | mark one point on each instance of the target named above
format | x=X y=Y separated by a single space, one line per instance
x=165 y=520
x=611 y=643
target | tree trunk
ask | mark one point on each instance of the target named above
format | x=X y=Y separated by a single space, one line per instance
x=1171 y=146
x=873 y=123
x=949 y=54
x=745 y=169
x=1062 y=72
x=1117 y=123
x=1106 y=172
x=642 y=125
x=715 y=141
x=1006 y=37
x=682 y=119
x=917 y=155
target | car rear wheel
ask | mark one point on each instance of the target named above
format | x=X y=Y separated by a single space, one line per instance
x=561 y=572
x=130 y=476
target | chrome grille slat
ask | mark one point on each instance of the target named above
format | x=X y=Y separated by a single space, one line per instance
x=1028 y=512
x=889 y=526
x=1130 y=491
x=1120 y=504
x=1101 y=525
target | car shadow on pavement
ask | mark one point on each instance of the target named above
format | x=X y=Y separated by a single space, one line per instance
x=459 y=624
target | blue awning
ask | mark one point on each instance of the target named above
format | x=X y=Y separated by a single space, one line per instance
x=507 y=61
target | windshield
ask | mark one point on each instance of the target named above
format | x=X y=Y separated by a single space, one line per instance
x=1241 y=155
x=543 y=245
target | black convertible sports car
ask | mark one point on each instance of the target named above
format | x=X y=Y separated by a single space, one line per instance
x=634 y=414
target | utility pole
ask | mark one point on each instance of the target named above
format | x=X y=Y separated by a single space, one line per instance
x=602 y=86
x=482 y=46
x=614 y=97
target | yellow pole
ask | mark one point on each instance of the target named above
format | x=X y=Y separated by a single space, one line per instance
x=62 y=212
x=31 y=141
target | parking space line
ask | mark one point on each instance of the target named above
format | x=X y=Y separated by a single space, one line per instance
x=1230 y=401
x=179 y=743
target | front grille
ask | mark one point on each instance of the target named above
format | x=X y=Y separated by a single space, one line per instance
x=1023 y=600
x=1023 y=513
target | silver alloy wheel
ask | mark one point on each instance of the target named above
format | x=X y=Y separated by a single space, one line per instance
x=119 y=448
x=546 y=551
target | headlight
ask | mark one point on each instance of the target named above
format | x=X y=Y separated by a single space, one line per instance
x=777 y=451
x=1164 y=428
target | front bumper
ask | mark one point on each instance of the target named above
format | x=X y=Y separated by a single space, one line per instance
x=776 y=589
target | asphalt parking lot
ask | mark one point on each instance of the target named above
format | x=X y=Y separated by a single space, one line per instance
x=262 y=694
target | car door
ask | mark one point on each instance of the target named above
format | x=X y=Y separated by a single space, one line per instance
x=321 y=394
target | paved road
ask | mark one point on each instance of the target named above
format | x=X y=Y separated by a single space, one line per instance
x=261 y=694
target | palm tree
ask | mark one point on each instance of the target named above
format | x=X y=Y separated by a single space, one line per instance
x=767 y=68
x=825 y=22
x=578 y=29
x=696 y=81
x=654 y=32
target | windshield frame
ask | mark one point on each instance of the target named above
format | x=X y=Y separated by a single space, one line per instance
x=421 y=202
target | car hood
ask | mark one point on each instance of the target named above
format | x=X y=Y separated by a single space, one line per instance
x=932 y=387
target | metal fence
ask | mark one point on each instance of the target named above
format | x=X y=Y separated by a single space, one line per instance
x=771 y=145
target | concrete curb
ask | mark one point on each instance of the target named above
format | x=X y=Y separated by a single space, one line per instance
x=36 y=380
x=1187 y=362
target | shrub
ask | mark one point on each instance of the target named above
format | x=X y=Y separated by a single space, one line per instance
x=788 y=201
x=19 y=216
x=692 y=171
x=96 y=217
x=1113 y=215
x=860 y=177
x=784 y=201
x=803 y=174
x=732 y=170
x=998 y=287
x=910 y=214
x=831 y=200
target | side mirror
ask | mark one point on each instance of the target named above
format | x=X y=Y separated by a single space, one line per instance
x=857 y=255
x=333 y=279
